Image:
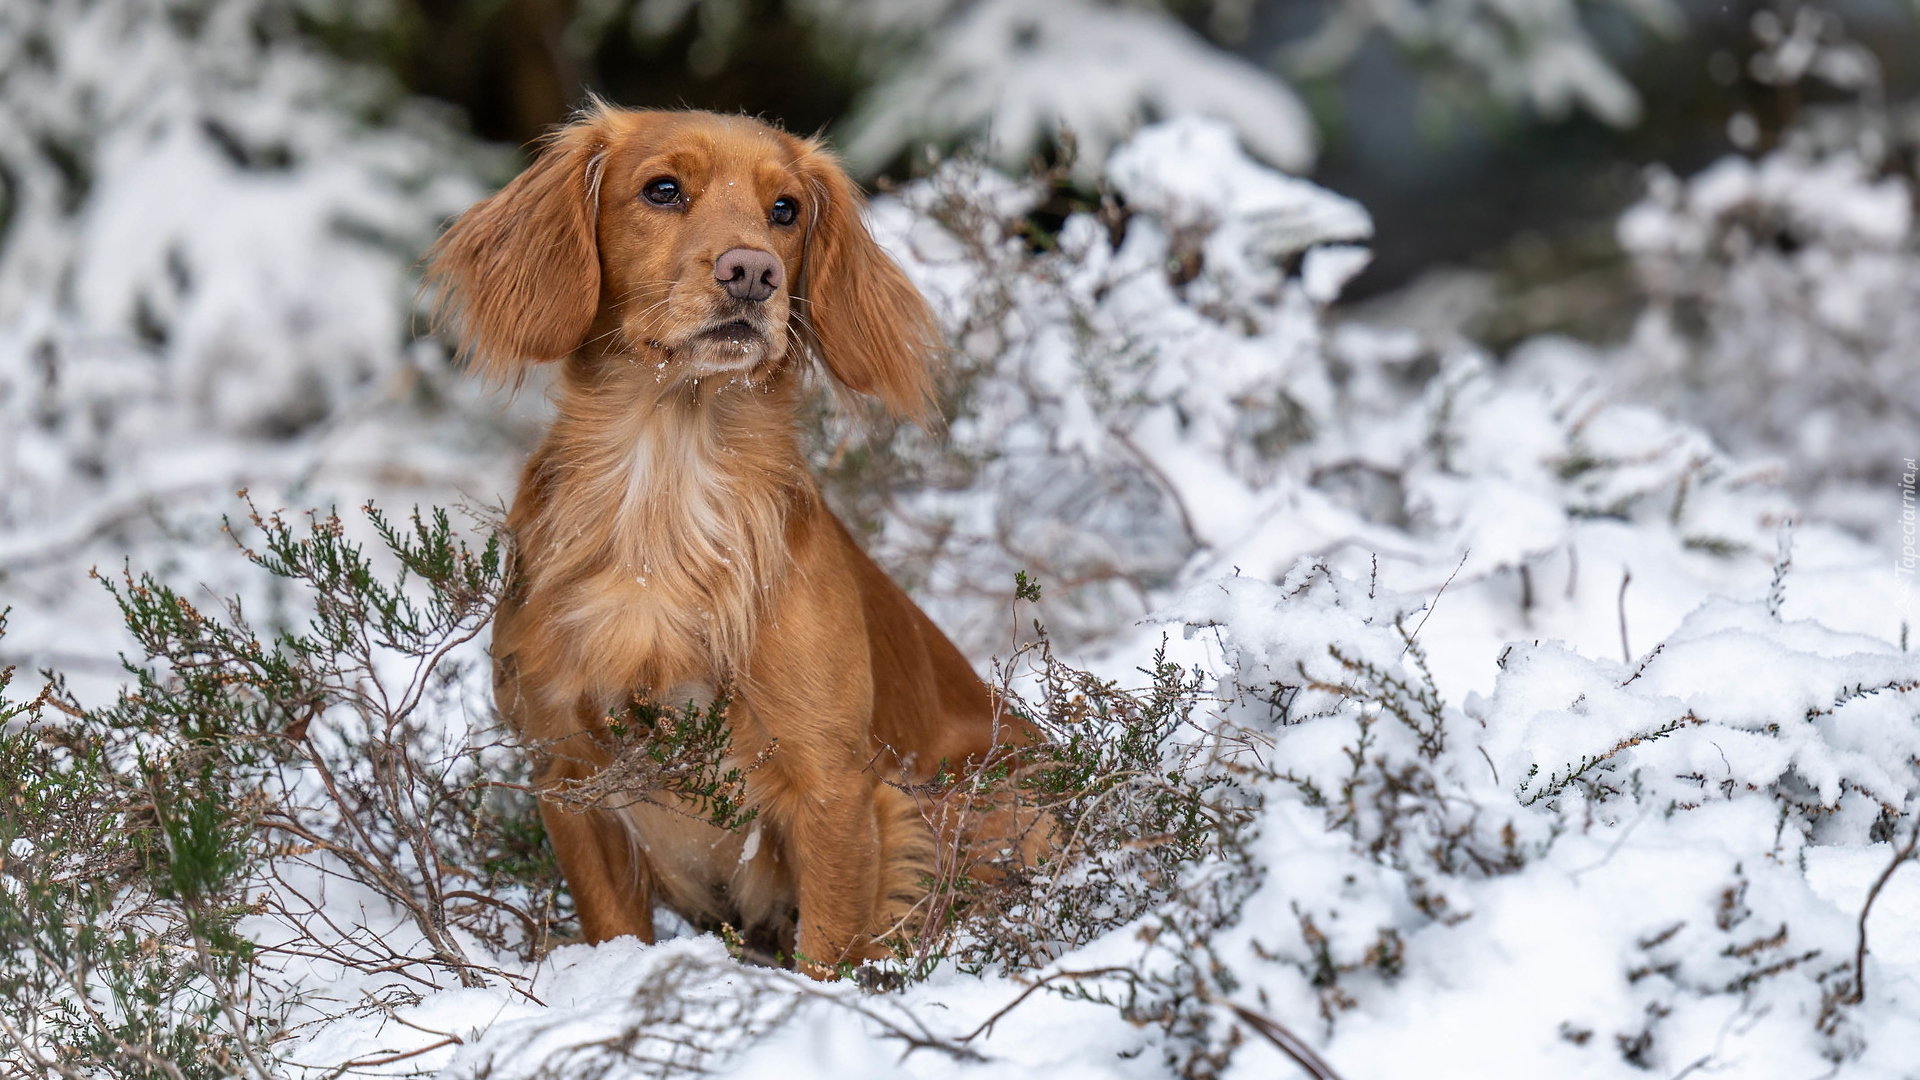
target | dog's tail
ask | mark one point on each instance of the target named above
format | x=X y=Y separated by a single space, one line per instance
x=952 y=855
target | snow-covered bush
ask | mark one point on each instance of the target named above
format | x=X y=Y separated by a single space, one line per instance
x=1781 y=285
x=1536 y=54
x=1784 y=303
x=1131 y=377
x=1017 y=73
x=211 y=216
x=1652 y=831
x=1153 y=393
x=1013 y=76
x=206 y=238
x=1154 y=338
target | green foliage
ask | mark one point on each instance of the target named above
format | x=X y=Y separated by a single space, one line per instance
x=123 y=868
x=137 y=833
x=134 y=835
x=676 y=757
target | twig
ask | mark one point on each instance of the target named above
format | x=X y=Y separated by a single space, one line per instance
x=1165 y=481
x=1644 y=664
x=526 y=921
x=1289 y=1043
x=1782 y=564
x=1860 y=951
x=1694 y=1066
x=1626 y=578
x=451 y=1040
x=987 y=1026
x=1436 y=601
x=32 y=1053
x=925 y=1039
x=1276 y=1033
x=1268 y=1028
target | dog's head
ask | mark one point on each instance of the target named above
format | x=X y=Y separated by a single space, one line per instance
x=709 y=245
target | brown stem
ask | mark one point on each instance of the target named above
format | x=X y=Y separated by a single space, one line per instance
x=1860 y=951
x=987 y=1026
x=1626 y=578
x=431 y=927
x=1415 y=636
x=1289 y=1043
x=451 y=1040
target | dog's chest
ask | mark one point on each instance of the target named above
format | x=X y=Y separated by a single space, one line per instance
x=692 y=550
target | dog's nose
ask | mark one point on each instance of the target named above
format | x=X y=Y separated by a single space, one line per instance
x=749 y=273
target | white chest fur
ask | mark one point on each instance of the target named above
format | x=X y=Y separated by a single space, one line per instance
x=691 y=539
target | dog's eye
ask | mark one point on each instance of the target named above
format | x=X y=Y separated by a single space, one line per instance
x=784 y=211
x=662 y=191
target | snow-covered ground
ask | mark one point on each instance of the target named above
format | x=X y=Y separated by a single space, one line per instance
x=1669 y=742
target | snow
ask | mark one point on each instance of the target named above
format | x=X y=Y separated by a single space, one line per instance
x=1669 y=829
x=1631 y=823
x=1801 y=265
x=1184 y=172
x=1538 y=53
x=1016 y=73
x=225 y=300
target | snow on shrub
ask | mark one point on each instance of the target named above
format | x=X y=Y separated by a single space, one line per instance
x=1599 y=869
x=202 y=213
x=1017 y=76
x=205 y=278
x=1148 y=342
x=1122 y=384
x=1784 y=301
x=1152 y=393
x=1658 y=826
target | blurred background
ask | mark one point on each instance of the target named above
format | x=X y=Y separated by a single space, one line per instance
x=1499 y=135
x=1504 y=136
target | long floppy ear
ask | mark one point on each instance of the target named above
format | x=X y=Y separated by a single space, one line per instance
x=862 y=318
x=518 y=274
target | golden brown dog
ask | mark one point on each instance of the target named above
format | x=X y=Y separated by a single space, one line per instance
x=684 y=268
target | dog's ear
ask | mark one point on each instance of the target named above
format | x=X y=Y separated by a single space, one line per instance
x=518 y=274
x=860 y=315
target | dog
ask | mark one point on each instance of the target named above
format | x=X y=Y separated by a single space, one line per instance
x=684 y=270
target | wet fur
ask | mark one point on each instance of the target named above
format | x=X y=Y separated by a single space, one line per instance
x=669 y=538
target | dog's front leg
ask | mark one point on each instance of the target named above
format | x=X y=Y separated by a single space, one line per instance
x=834 y=842
x=607 y=873
x=818 y=789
